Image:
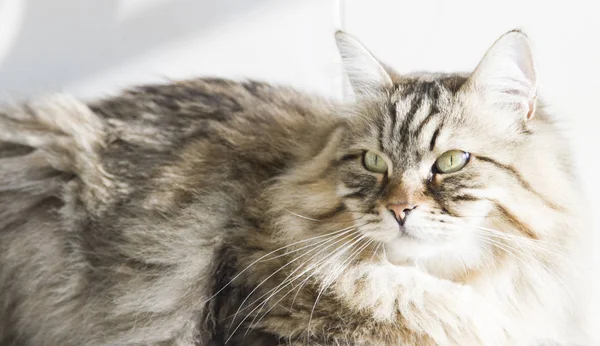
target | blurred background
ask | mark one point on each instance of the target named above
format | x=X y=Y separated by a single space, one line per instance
x=95 y=48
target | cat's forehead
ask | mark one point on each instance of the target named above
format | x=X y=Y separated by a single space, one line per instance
x=426 y=81
x=420 y=111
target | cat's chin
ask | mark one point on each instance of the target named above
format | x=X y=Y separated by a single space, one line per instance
x=443 y=258
x=406 y=249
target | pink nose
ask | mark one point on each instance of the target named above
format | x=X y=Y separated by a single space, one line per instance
x=401 y=210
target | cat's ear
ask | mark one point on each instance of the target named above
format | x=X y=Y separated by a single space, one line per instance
x=506 y=76
x=366 y=73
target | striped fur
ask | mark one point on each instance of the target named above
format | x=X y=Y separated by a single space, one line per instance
x=208 y=211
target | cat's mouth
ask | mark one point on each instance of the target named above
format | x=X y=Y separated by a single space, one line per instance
x=406 y=230
x=416 y=233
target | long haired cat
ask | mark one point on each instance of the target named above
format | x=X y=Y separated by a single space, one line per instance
x=435 y=209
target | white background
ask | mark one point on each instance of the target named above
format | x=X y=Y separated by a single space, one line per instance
x=96 y=47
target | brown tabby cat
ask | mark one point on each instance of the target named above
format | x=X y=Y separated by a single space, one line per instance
x=436 y=209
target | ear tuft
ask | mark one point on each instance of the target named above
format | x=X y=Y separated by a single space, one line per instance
x=366 y=74
x=506 y=76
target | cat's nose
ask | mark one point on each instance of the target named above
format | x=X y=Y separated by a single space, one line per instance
x=401 y=210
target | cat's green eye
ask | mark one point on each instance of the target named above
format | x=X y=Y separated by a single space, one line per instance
x=452 y=161
x=375 y=163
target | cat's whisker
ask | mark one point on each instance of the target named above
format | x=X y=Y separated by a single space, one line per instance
x=265 y=256
x=270 y=276
x=375 y=250
x=484 y=233
x=343 y=231
x=384 y=252
x=253 y=324
x=321 y=264
x=464 y=266
x=548 y=270
x=351 y=235
x=530 y=244
x=324 y=262
x=507 y=248
x=286 y=282
x=317 y=220
x=302 y=216
x=332 y=278
x=504 y=234
x=315 y=271
x=515 y=240
x=510 y=251
x=248 y=306
x=266 y=300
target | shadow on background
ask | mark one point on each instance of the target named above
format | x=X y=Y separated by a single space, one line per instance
x=62 y=41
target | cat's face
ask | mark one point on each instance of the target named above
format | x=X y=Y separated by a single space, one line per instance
x=433 y=166
x=415 y=170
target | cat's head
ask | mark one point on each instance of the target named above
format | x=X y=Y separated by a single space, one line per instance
x=441 y=169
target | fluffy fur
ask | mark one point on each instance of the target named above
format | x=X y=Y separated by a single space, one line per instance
x=209 y=211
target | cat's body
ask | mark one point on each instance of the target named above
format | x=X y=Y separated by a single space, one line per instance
x=169 y=214
x=217 y=149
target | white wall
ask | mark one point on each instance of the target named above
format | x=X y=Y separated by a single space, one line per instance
x=90 y=47
x=95 y=47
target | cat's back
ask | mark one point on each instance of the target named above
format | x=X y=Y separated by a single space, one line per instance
x=246 y=121
x=84 y=187
x=216 y=129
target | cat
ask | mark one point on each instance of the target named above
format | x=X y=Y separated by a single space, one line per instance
x=433 y=209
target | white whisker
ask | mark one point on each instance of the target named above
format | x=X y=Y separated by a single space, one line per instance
x=302 y=216
x=264 y=256
x=375 y=251
x=332 y=278
x=266 y=279
x=508 y=249
x=321 y=264
x=286 y=282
